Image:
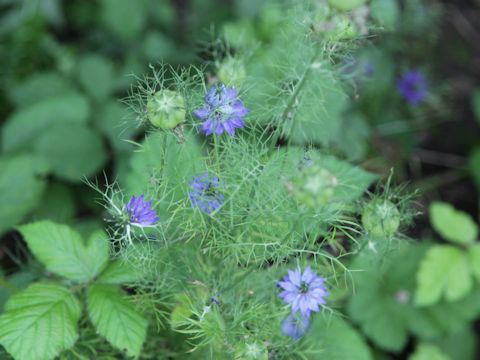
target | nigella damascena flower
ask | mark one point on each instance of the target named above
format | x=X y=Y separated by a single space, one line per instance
x=295 y=327
x=140 y=212
x=413 y=87
x=305 y=291
x=204 y=194
x=222 y=110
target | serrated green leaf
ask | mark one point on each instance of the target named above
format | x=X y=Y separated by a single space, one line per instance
x=346 y=4
x=73 y=151
x=118 y=272
x=335 y=339
x=21 y=187
x=62 y=250
x=96 y=75
x=386 y=12
x=25 y=125
x=40 y=322
x=459 y=345
x=38 y=87
x=426 y=351
x=113 y=121
x=474 y=255
x=444 y=270
x=381 y=317
x=124 y=17
x=455 y=226
x=57 y=204
x=116 y=318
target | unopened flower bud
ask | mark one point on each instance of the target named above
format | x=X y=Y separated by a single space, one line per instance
x=231 y=71
x=314 y=186
x=166 y=109
x=381 y=218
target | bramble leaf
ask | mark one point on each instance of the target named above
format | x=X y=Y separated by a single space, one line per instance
x=62 y=250
x=455 y=226
x=118 y=272
x=337 y=340
x=427 y=351
x=21 y=187
x=444 y=270
x=116 y=318
x=72 y=150
x=40 y=322
x=26 y=124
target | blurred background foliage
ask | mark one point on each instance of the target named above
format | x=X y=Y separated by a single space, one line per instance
x=65 y=64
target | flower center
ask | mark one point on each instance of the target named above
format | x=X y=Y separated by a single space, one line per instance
x=304 y=287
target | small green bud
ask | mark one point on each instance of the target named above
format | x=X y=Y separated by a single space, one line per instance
x=231 y=71
x=314 y=186
x=166 y=109
x=381 y=218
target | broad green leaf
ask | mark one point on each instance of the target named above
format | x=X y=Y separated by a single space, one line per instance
x=57 y=204
x=125 y=18
x=113 y=120
x=474 y=255
x=381 y=317
x=386 y=12
x=116 y=318
x=459 y=345
x=63 y=251
x=25 y=125
x=346 y=4
x=425 y=351
x=38 y=87
x=335 y=339
x=445 y=317
x=118 y=272
x=455 y=226
x=476 y=104
x=73 y=151
x=96 y=75
x=21 y=187
x=40 y=322
x=445 y=270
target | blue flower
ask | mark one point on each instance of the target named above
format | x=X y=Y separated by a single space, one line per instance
x=203 y=193
x=305 y=291
x=413 y=87
x=295 y=327
x=223 y=109
x=140 y=212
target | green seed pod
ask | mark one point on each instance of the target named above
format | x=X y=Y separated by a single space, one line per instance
x=381 y=218
x=314 y=186
x=166 y=109
x=231 y=71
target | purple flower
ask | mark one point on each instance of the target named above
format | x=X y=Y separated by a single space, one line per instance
x=413 y=87
x=305 y=291
x=223 y=110
x=140 y=212
x=295 y=327
x=203 y=193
